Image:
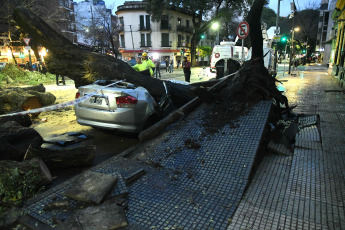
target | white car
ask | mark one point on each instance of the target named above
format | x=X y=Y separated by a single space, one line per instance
x=122 y=106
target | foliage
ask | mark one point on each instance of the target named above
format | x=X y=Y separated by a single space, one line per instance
x=24 y=77
x=269 y=17
x=16 y=187
x=204 y=51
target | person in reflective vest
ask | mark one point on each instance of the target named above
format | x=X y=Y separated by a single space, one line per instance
x=143 y=67
x=149 y=61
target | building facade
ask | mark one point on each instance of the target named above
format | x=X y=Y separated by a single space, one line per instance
x=338 y=16
x=322 y=27
x=169 y=38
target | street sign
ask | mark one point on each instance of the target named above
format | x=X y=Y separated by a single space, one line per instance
x=242 y=30
x=26 y=40
x=27 y=47
x=276 y=38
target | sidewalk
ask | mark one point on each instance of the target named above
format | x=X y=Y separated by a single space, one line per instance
x=307 y=190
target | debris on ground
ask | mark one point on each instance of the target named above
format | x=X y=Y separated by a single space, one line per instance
x=91 y=187
x=67 y=139
x=63 y=158
x=107 y=216
x=192 y=143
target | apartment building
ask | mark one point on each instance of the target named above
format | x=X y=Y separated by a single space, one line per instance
x=162 y=40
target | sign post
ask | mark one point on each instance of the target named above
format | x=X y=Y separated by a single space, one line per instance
x=242 y=32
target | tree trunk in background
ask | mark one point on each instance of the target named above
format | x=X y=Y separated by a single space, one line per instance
x=85 y=67
x=255 y=33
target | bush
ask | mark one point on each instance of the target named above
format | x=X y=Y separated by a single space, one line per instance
x=24 y=77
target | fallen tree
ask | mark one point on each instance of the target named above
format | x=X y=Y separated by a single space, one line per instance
x=84 y=67
x=18 y=99
x=15 y=140
x=64 y=158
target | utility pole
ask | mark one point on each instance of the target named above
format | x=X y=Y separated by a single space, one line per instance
x=293 y=8
x=277 y=32
x=130 y=26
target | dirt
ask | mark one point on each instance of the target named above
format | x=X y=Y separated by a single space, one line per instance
x=59 y=121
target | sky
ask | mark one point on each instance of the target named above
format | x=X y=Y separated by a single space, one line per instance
x=285 y=9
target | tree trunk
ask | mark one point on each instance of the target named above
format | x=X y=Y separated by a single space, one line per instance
x=255 y=34
x=85 y=67
x=15 y=140
x=193 y=50
x=65 y=158
x=35 y=165
x=18 y=99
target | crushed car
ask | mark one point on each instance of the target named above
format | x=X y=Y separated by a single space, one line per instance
x=121 y=106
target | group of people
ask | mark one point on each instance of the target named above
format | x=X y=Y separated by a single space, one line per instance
x=147 y=67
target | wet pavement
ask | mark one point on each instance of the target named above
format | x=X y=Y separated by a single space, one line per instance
x=305 y=190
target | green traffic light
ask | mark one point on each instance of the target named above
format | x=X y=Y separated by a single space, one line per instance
x=202 y=36
x=304 y=51
x=283 y=39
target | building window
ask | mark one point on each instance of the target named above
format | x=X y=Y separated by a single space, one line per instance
x=187 y=39
x=148 y=39
x=179 y=40
x=165 y=22
x=179 y=21
x=187 y=23
x=142 y=24
x=122 y=41
x=145 y=40
x=148 y=26
x=165 y=40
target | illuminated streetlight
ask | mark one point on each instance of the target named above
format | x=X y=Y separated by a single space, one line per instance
x=215 y=26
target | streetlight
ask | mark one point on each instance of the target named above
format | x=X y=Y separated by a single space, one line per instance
x=292 y=49
x=215 y=26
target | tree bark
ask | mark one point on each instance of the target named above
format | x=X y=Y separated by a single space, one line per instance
x=255 y=34
x=65 y=158
x=18 y=99
x=15 y=140
x=85 y=67
x=35 y=165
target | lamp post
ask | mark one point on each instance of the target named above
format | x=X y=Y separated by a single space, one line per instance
x=292 y=48
x=215 y=26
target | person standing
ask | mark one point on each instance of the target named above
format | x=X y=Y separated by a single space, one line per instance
x=178 y=63
x=149 y=61
x=143 y=67
x=158 y=71
x=167 y=65
x=171 y=65
x=186 y=69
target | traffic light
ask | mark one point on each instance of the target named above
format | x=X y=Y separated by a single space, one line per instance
x=202 y=36
x=304 y=51
x=183 y=51
x=283 y=39
x=21 y=55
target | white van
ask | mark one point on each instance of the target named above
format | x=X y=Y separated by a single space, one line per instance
x=268 y=59
x=226 y=50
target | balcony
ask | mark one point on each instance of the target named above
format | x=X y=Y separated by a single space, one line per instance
x=165 y=26
x=145 y=44
x=185 y=29
x=144 y=27
x=166 y=43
